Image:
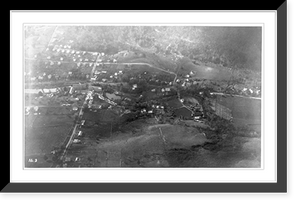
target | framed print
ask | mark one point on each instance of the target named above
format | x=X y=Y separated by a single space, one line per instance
x=148 y=101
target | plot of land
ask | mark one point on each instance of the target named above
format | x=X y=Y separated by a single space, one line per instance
x=47 y=133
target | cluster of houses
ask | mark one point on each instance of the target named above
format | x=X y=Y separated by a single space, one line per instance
x=104 y=76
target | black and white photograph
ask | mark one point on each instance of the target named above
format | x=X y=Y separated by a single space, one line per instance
x=148 y=101
x=142 y=96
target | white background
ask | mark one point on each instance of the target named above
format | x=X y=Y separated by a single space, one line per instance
x=265 y=174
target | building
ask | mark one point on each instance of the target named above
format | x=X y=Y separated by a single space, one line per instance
x=95 y=88
x=80 y=134
x=80 y=86
x=71 y=90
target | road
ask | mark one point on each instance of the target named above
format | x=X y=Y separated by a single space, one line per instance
x=49 y=43
x=73 y=133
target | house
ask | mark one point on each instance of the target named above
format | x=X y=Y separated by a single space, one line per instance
x=80 y=133
x=71 y=90
x=76 y=141
x=80 y=86
x=95 y=88
x=197 y=118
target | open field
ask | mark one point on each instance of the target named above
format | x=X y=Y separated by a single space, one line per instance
x=164 y=145
x=46 y=134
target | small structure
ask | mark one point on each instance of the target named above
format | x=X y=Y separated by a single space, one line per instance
x=71 y=90
x=76 y=141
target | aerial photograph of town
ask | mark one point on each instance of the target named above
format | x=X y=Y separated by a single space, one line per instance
x=140 y=96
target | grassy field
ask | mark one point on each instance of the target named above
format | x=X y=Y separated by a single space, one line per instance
x=46 y=133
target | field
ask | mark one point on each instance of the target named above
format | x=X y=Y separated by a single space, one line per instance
x=245 y=111
x=44 y=135
x=164 y=145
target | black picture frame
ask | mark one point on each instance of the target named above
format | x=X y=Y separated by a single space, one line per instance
x=279 y=187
